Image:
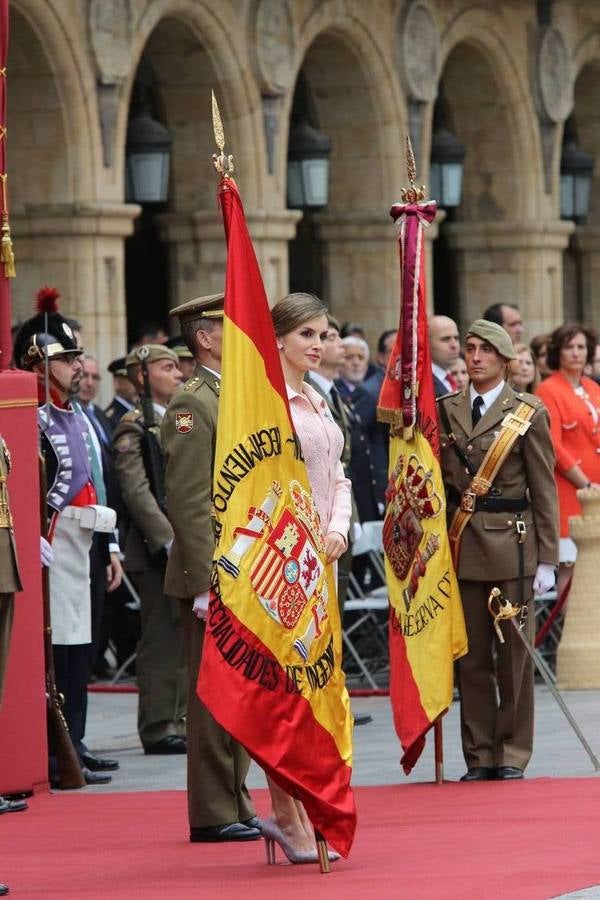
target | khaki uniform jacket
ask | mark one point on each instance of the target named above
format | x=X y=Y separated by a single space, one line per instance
x=10 y=580
x=489 y=541
x=189 y=458
x=148 y=529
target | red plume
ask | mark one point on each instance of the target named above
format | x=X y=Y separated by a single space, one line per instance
x=45 y=300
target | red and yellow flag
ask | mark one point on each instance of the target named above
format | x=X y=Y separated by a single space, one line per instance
x=271 y=663
x=427 y=630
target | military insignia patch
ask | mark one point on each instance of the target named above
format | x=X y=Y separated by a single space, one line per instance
x=123 y=444
x=184 y=422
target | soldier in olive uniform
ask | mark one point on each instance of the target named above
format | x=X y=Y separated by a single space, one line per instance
x=160 y=665
x=219 y=807
x=510 y=541
x=10 y=583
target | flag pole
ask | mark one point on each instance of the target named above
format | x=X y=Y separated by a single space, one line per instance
x=438 y=734
x=224 y=166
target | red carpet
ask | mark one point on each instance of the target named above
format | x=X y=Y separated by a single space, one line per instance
x=530 y=840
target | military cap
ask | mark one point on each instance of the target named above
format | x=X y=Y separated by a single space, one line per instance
x=47 y=335
x=147 y=353
x=118 y=367
x=209 y=307
x=176 y=344
x=495 y=335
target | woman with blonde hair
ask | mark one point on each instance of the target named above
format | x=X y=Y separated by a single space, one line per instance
x=300 y=322
x=523 y=373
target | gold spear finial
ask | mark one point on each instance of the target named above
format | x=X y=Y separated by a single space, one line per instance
x=412 y=194
x=222 y=163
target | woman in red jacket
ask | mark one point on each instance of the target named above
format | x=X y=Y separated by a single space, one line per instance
x=573 y=401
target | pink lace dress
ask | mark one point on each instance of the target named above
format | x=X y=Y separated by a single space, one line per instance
x=322 y=443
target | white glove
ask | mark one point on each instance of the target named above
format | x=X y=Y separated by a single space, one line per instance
x=544 y=579
x=200 y=607
x=46 y=553
x=356 y=531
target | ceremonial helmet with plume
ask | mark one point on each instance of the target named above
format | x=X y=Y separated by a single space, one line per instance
x=46 y=335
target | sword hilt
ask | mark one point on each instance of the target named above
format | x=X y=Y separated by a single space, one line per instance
x=500 y=608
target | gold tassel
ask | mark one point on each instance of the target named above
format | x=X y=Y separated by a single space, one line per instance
x=7 y=255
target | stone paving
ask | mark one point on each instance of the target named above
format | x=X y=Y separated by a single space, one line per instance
x=112 y=731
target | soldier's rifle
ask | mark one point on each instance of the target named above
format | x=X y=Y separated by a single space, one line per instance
x=153 y=458
x=500 y=609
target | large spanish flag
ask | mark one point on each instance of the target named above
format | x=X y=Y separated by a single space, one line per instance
x=271 y=663
x=427 y=629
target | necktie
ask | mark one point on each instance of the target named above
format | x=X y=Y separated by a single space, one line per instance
x=451 y=381
x=335 y=399
x=476 y=412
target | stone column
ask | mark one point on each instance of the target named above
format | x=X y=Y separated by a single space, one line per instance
x=578 y=657
x=199 y=251
x=586 y=242
x=360 y=252
x=511 y=262
x=79 y=248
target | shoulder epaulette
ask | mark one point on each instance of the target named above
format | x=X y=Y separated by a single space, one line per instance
x=449 y=394
x=529 y=399
x=131 y=415
x=192 y=384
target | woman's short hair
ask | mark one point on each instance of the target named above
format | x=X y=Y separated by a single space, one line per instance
x=561 y=336
x=294 y=310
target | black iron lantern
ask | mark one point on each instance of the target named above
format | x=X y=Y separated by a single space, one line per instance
x=308 y=167
x=147 y=159
x=447 y=161
x=576 y=170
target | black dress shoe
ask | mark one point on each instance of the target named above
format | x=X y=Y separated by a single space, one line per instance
x=97 y=764
x=172 y=743
x=217 y=834
x=12 y=805
x=3 y=889
x=253 y=822
x=509 y=773
x=95 y=777
x=362 y=719
x=479 y=773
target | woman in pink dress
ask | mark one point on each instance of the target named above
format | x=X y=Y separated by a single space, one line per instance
x=300 y=322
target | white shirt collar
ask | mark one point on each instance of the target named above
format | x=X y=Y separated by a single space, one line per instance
x=161 y=410
x=324 y=383
x=212 y=372
x=488 y=397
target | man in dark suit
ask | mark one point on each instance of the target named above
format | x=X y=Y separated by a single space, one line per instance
x=125 y=393
x=444 y=344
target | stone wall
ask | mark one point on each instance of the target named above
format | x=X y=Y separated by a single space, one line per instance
x=373 y=70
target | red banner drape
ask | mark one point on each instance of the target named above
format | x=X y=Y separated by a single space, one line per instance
x=6 y=270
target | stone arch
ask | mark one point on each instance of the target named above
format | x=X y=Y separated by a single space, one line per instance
x=355 y=92
x=51 y=149
x=472 y=43
x=582 y=259
x=505 y=249
x=213 y=35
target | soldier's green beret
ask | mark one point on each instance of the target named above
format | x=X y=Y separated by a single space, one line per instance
x=208 y=307
x=495 y=335
x=150 y=353
x=176 y=344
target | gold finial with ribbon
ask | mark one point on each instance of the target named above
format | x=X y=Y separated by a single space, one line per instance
x=412 y=194
x=222 y=163
x=7 y=256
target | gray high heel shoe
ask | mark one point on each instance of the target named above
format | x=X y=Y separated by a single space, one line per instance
x=273 y=835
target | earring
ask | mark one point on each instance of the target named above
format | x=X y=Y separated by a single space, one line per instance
x=279 y=346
